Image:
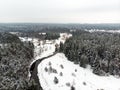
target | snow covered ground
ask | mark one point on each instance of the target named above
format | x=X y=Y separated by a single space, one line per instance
x=108 y=31
x=57 y=73
x=44 y=48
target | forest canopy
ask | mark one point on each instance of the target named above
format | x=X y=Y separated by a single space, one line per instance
x=15 y=57
x=99 y=50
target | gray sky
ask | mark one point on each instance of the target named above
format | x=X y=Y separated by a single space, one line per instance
x=60 y=11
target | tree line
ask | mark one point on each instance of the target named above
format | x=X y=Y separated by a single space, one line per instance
x=99 y=50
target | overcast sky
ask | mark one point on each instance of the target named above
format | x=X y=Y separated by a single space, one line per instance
x=60 y=11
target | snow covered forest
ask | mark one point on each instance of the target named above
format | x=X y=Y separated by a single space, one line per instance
x=99 y=50
x=59 y=57
x=15 y=57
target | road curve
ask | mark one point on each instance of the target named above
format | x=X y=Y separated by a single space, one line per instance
x=34 y=71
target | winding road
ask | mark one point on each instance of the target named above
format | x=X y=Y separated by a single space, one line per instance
x=34 y=71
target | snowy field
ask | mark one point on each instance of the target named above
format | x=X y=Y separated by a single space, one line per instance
x=57 y=73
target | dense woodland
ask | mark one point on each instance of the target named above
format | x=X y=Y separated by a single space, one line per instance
x=15 y=58
x=99 y=50
x=42 y=27
x=6 y=38
x=40 y=36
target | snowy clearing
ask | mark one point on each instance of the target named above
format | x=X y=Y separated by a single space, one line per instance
x=44 y=48
x=57 y=73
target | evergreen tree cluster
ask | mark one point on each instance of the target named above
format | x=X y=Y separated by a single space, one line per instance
x=99 y=50
x=15 y=58
x=45 y=36
x=8 y=38
x=51 y=36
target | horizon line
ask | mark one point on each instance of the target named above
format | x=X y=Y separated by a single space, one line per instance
x=50 y=23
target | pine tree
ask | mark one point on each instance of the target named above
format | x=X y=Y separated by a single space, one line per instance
x=61 y=47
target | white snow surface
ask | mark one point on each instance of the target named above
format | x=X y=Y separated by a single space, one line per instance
x=107 y=31
x=76 y=76
x=72 y=75
x=15 y=33
x=43 y=48
x=47 y=47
